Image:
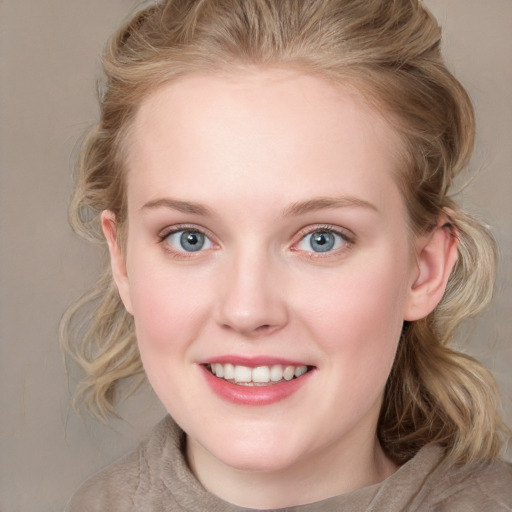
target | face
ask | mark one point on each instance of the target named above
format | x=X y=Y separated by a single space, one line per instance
x=268 y=264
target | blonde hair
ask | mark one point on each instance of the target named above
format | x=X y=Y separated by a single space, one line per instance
x=390 y=51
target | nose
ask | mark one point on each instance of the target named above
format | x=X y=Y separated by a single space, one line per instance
x=252 y=300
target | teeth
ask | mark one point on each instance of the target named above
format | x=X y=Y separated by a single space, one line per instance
x=276 y=373
x=259 y=375
x=300 y=370
x=219 y=370
x=289 y=373
x=229 y=371
x=243 y=374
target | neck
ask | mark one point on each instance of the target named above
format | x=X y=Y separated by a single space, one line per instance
x=337 y=470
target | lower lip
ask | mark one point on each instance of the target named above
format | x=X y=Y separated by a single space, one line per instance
x=253 y=395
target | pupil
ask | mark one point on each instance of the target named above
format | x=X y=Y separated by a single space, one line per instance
x=191 y=241
x=322 y=241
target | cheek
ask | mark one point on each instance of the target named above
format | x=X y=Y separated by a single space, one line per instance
x=166 y=306
x=357 y=317
x=172 y=306
x=368 y=299
x=166 y=312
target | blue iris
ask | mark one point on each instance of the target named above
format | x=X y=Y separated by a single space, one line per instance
x=322 y=241
x=192 y=241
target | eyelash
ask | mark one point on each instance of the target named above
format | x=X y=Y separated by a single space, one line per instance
x=347 y=237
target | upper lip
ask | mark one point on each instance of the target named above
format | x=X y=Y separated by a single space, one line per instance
x=252 y=362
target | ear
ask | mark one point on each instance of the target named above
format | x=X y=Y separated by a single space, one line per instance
x=437 y=255
x=117 y=260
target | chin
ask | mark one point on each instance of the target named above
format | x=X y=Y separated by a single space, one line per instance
x=259 y=453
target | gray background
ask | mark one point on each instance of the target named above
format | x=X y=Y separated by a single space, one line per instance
x=49 y=57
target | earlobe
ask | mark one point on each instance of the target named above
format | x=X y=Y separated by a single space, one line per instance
x=437 y=255
x=117 y=259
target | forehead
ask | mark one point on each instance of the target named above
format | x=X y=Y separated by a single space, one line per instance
x=276 y=131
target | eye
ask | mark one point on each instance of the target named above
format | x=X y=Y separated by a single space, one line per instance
x=188 y=241
x=322 y=240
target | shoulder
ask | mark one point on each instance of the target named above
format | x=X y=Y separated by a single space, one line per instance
x=111 y=489
x=116 y=487
x=427 y=483
x=473 y=488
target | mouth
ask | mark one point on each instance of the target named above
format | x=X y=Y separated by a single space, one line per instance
x=257 y=376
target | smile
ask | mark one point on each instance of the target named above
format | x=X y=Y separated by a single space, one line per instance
x=257 y=376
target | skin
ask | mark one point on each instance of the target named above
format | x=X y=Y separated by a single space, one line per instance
x=234 y=156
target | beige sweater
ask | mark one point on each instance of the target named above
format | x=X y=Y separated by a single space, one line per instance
x=155 y=478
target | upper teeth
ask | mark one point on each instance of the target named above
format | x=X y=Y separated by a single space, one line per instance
x=260 y=374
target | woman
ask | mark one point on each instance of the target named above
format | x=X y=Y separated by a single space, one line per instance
x=287 y=267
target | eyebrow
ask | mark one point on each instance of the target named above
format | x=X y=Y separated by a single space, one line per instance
x=297 y=208
x=181 y=206
x=322 y=203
